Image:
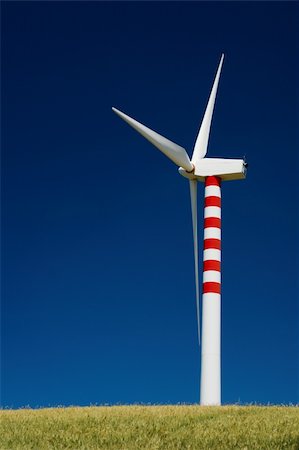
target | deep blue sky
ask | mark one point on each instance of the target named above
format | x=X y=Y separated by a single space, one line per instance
x=98 y=301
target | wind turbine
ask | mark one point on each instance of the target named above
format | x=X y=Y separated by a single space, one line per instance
x=211 y=171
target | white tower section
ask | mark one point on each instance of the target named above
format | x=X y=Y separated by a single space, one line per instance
x=210 y=386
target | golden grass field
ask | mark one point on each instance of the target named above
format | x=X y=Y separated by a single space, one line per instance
x=151 y=428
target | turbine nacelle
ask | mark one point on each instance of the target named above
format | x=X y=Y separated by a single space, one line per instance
x=224 y=168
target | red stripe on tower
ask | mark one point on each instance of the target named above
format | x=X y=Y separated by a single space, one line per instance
x=212 y=243
x=211 y=264
x=213 y=201
x=213 y=181
x=214 y=222
x=211 y=286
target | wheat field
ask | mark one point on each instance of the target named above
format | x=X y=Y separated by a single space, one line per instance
x=151 y=428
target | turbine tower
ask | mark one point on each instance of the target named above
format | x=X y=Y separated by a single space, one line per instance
x=211 y=171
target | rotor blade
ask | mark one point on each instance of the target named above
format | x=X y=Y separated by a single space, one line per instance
x=201 y=144
x=193 y=195
x=174 y=152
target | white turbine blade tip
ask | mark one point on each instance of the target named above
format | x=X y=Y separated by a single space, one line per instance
x=118 y=112
x=173 y=151
x=201 y=144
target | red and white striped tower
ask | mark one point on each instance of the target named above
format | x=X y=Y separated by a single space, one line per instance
x=210 y=386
